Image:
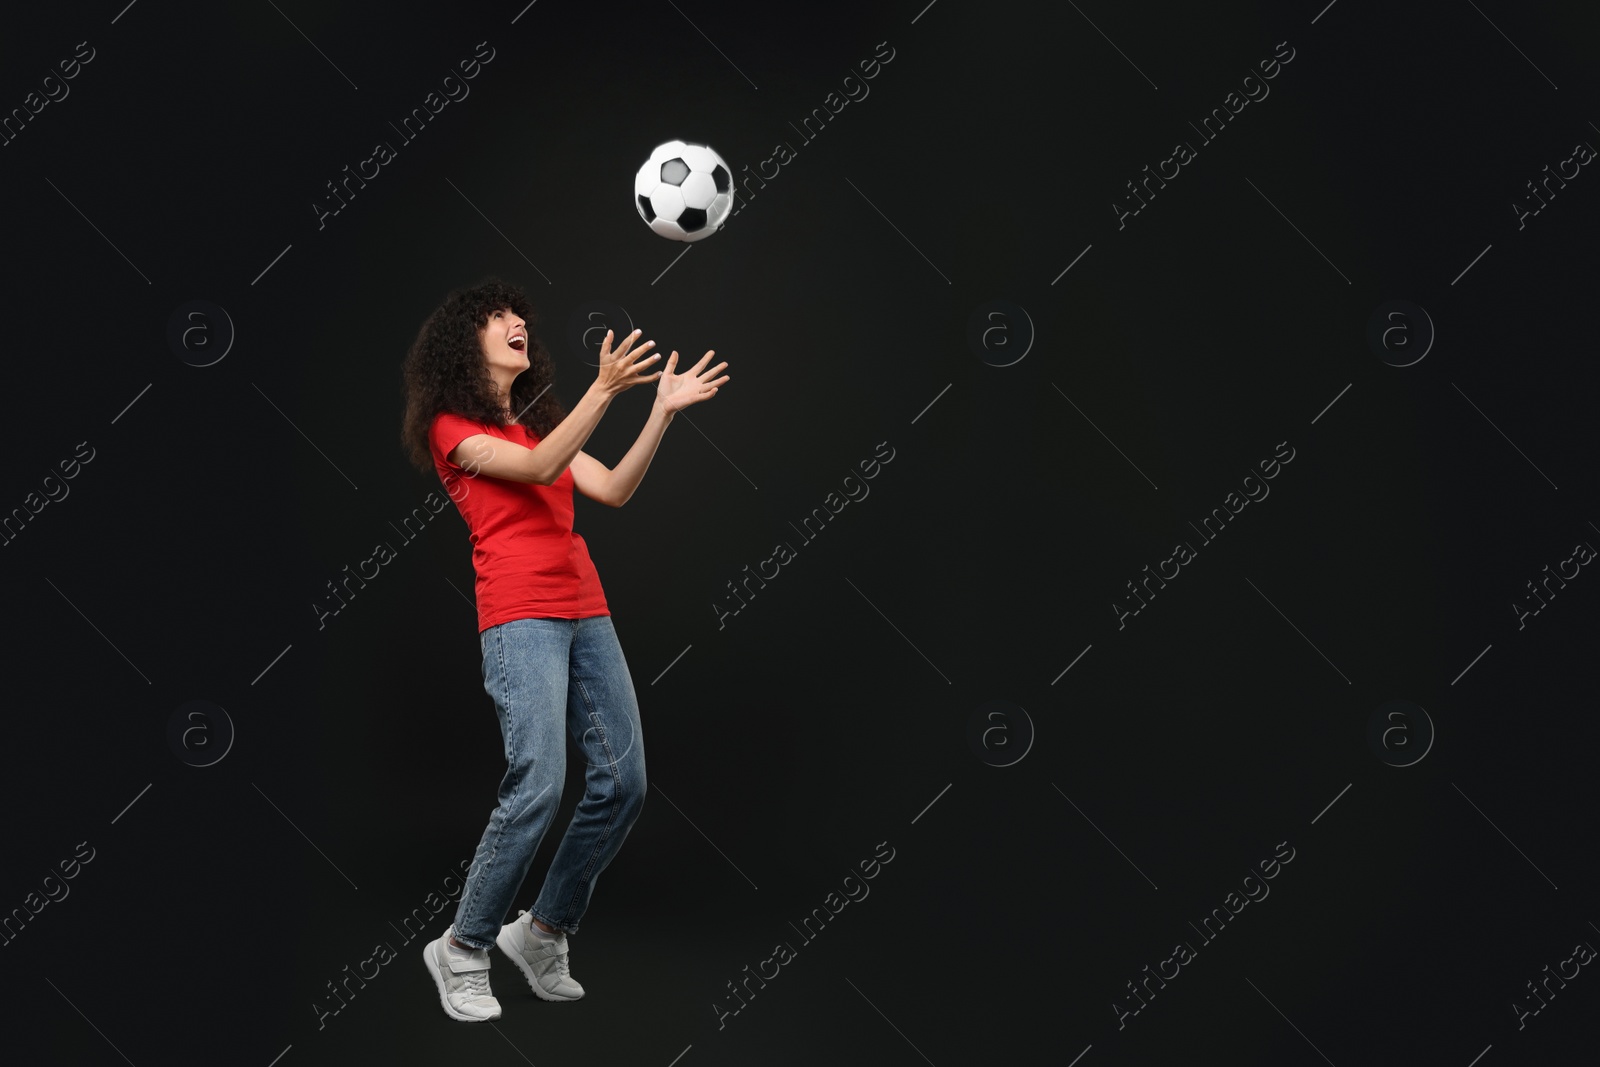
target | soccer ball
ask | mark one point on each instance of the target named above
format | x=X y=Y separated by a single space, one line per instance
x=684 y=191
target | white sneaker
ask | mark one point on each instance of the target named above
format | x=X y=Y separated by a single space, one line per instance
x=541 y=957
x=463 y=981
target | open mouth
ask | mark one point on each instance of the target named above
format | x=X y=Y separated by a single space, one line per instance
x=520 y=344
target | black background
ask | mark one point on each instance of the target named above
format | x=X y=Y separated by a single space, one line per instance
x=832 y=713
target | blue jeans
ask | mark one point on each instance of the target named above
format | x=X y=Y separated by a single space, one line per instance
x=543 y=674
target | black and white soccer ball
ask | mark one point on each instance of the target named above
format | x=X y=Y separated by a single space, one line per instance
x=684 y=191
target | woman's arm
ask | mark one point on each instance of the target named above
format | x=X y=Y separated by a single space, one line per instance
x=616 y=485
x=674 y=392
x=543 y=463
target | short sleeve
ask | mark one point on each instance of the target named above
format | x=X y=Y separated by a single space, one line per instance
x=448 y=431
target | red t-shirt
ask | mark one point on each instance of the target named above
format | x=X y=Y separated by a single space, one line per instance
x=529 y=562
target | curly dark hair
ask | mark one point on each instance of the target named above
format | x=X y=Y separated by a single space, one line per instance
x=445 y=370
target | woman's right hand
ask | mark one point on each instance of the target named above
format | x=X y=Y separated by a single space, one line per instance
x=620 y=371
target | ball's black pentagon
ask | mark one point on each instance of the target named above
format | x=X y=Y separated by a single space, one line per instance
x=692 y=219
x=646 y=210
x=723 y=180
x=673 y=171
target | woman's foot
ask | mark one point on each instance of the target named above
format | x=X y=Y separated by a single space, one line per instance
x=541 y=957
x=462 y=978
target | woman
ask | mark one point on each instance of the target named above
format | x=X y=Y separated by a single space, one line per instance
x=479 y=412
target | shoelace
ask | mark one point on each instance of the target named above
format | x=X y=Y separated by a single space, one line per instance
x=477 y=983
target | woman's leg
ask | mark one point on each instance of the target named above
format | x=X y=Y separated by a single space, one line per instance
x=525 y=670
x=603 y=718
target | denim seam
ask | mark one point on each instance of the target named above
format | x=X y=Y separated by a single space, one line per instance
x=511 y=744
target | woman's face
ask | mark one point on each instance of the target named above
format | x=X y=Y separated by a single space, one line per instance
x=504 y=339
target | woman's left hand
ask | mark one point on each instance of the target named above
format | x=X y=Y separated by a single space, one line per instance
x=674 y=392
